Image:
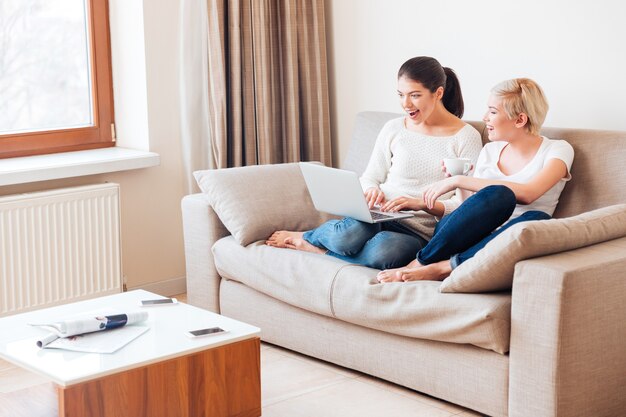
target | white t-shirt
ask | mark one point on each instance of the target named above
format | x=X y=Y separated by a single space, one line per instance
x=487 y=167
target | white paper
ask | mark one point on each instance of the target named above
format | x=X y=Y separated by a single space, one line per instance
x=99 y=342
x=92 y=323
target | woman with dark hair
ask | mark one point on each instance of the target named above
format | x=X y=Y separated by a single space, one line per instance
x=405 y=161
x=428 y=72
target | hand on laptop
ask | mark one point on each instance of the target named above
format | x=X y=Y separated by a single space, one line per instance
x=404 y=203
x=374 y=197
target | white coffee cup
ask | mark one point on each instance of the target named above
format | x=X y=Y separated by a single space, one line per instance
x=457 y=166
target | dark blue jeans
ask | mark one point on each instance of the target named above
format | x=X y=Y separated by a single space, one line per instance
x=465 y=231
x=381 y=245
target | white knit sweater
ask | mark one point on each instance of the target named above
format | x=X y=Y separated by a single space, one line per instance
x=404 y=162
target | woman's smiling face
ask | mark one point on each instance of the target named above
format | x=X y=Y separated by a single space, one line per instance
x=498 y=124
x=416 y=100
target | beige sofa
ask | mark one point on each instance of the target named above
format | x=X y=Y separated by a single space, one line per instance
x=554 y=345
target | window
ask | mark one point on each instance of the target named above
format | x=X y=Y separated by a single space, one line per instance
x=55 y=76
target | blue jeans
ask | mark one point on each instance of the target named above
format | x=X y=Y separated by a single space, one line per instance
x=465 y=231
x=380 y=245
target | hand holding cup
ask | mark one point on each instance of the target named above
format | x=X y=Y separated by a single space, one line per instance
x=457 y=166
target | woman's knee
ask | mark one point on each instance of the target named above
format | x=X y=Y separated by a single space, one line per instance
x=349 y=236
x=499 y=194
x=391 y=250
x=482 y=212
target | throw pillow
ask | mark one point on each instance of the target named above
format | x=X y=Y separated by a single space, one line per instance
x=492 y=268
x=254 y=201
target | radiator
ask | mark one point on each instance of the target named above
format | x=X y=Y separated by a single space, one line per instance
x=59 y=246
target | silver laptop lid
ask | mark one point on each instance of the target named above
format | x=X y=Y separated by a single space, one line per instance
x=338 y=192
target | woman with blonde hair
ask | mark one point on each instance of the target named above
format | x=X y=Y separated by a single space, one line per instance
x=519 y=177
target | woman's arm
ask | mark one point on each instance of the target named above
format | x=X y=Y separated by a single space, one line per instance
x=413 y=203
x=553 y=171
x=470 y=147
x=378 y=167
x=380 y=159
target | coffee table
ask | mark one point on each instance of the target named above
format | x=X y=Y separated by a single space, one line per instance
x=161 y=373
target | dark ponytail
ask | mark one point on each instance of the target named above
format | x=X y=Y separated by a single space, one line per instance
x=452 y=96
x=429 y=72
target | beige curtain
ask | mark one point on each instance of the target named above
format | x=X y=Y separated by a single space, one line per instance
x=268 y=84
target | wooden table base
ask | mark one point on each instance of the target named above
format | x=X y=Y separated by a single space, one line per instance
x=219 y=382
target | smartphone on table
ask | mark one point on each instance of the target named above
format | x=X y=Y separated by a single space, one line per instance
x=158 y=302
x=206 y=332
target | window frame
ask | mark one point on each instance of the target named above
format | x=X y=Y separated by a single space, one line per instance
x=102 y=133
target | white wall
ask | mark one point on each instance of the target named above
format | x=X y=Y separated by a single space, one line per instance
x=574 y=50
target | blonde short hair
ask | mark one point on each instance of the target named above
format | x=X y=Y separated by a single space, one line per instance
x=523 y=95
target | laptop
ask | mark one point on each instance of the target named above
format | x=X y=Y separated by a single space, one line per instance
x=339 y=192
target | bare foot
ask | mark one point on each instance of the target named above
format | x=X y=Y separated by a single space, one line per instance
x=391 y=275
x=433 y=272
x=278 y=238
x=395 y=274
x=300 y=244
x=292 y=240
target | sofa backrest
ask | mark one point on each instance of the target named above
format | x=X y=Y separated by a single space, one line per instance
x=598 y=172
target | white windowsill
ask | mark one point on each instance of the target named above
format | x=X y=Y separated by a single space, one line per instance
x=73 y=164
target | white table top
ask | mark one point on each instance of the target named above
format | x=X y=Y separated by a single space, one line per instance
x=165 y=338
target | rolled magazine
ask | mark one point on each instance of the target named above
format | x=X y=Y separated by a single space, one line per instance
x=90 y=324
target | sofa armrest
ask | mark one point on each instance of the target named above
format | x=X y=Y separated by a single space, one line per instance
x=201 y=229
x=568 y=333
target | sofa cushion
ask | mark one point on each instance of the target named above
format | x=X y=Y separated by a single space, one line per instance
x=491 y=269
x=254 y=201
x=598 y=177
x=418 y=309
x=331 y=287
x=284 y=274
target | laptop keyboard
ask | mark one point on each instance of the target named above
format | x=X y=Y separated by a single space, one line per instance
x=378 y=216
